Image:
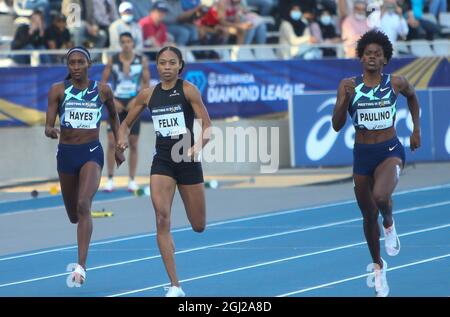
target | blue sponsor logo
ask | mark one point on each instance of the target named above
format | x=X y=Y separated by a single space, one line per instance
x=198 y=78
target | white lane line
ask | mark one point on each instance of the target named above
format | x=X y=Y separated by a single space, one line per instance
x=274 y=261
x=219 y=223
x=304 y=290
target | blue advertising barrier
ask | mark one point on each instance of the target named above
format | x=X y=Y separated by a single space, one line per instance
x=315 y=143
x=243 y=89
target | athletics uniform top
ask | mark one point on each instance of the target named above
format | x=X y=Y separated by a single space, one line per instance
x=172 y=114
x=81 y=109
x=373 y=108
x=126 y=86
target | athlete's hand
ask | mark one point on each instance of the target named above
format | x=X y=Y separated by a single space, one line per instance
x=349 y=87
x=120 y=158
x=121 y=145
x=52 y=132
x=194 y=153
x=414 y=140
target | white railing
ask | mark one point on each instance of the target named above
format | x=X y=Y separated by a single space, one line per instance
x=249 y=52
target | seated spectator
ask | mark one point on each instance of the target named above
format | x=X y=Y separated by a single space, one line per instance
x=416 y=23
x=211 y=31
x=126 y=23
x=29 y=37
x=438 y=6
x=105 y=13
x=57 y=36
x=353 y=27
x=329 y=34
x=83 y=29
x=154 y=30
x=180 y=23
x=41 y=5
x=264 y=7
x=141 y=8
x=247 y=26
x=315 y=31
x=294 y=32
x=393 y=24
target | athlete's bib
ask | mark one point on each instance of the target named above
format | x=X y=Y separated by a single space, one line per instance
x=81 y=117
x=126 y=89
x=169 y=120
x=375 y=118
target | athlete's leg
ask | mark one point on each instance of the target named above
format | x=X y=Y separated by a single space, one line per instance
x=110 y=156
x=89 y=181
x=194 y=202
x=385 y=180
x=69 y=190
x=369 y=210
x=162 y=192
x=110 y=160
x=133 y=156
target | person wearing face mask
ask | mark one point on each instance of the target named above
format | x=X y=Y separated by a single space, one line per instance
x=353 y=27
x=393 y=24
x=126 y=23
x=329 y=33
x=295 y=33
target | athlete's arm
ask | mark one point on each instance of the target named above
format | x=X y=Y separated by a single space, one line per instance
x=193 y=96
x=345 y=92
x=107 y=71
x=145 y=73
x=52 y=111
x=140 y=104
x=402 y=85
x=108 y=100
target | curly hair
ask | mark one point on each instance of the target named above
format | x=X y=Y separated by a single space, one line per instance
x=376 y=37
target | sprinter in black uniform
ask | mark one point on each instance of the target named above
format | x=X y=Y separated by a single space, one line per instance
x=173 y=104
x=378 y=155
x=79 y=102
x=129 y=73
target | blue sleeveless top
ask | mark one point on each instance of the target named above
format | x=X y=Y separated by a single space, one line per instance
x=127 y=85
x=81 y=109
x=373 y=108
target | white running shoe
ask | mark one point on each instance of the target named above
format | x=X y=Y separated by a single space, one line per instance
x=381 y=284
x=391 y=240
x=132 y=186
x=109 y=186
x=174 y=291
x=78 y=276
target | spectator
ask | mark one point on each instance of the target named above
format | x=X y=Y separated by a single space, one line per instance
x=393 y=24
x=105 y=13
x=41 y=5
x=57 y=36
x=153 y=28
x=211 y=30
x=29 y=37
x=83 y=29
x=126 y=23
x=247 y=26
x=295 y=33
x=353 y=27
x=264 y=6
x=329 y=33
x=417 y=24
x=438 y=6
x=180 y=23
x=141 y=8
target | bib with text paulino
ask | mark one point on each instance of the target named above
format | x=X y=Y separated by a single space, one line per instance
x=169 y=120
x=378 y=115
x=78 y=117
